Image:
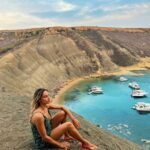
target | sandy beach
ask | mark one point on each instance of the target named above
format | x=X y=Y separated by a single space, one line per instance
x=144 y=64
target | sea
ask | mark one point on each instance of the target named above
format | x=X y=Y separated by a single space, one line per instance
x=113 y=110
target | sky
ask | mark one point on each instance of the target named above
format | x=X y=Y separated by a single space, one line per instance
x=18 y=14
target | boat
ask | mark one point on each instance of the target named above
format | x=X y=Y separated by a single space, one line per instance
x=138 y=93
x=95 y=90
x=145 y=141
x=142 y=107
x=123 y=79
x=134 y=85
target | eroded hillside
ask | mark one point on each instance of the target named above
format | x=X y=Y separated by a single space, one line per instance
x=49 y=56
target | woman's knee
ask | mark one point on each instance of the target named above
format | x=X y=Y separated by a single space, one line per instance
x=69 y=125
x=62 y=113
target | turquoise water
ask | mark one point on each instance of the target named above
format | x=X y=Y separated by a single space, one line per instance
x=112 y=110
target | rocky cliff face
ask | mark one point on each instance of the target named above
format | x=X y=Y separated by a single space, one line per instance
x=47 y=57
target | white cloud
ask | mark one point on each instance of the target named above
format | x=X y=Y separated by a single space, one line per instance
x=29 y=6
x=85 y=10
x=50 y=6
x=16 y=14
x=61 y=6
x=16 y=20
x=125 y=7
x=137 y=16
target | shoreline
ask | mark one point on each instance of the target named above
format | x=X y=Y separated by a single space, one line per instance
x=144 y=64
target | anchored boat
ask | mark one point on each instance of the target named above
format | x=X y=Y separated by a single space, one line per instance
x=134 y=85
x=138 y=93
x=95 y=90
x=142 y=107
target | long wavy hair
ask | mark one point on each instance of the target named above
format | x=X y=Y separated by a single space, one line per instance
x=36 y=98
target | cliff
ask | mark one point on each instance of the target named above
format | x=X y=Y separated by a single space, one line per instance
x=48 y=57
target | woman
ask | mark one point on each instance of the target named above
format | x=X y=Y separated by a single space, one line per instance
x=47 y=129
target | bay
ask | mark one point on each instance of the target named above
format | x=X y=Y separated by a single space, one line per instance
x=112 y=110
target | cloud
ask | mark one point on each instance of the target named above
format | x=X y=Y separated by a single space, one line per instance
x=134 y=16
x=29 y=6
x=127 y=14
x=15 y=20
x=126 y=7
x=62 y=6
x=85 y=10
x=51 y=6
x=19 y=14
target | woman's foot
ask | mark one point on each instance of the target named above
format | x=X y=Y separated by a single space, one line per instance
x=89 y=146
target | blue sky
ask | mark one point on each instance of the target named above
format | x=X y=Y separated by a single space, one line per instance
x=16 y=14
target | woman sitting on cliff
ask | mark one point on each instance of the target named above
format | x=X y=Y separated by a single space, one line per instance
x=47 y=129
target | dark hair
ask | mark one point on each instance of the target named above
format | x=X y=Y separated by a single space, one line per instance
x=36 y=98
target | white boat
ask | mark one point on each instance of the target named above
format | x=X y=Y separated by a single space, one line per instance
x=145 y=141
x=142 y=107
x=138 y=93
x=95 y=90
x=122 y=79
x=134 y=85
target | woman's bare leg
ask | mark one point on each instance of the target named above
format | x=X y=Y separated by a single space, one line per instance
x=59 y=131
x=75 y=134
x=69 y=127
x=59 y=118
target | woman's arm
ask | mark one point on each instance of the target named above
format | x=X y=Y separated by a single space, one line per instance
x=74 y=120
x=61 y=107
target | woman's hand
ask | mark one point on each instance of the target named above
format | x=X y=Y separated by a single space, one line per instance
x=76 y=123
x=64 y=145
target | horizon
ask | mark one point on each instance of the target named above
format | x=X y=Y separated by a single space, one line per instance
x=66 y=13
x=67 y=27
